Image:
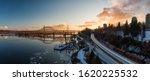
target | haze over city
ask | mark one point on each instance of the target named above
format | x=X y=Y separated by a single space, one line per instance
x=34 y=14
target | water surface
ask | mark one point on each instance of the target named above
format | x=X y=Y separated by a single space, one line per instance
x=20 y=50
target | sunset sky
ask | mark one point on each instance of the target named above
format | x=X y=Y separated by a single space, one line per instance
x=36 y=13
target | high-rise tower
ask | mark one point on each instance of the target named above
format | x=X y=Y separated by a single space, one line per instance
x=148 y=21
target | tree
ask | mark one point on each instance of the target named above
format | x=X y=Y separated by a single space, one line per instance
x=143 y=29
x=119 y=25
x=86 y=32
x=135 y=28
x=126 y=29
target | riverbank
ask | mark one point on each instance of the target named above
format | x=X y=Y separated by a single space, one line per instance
x=85 y=54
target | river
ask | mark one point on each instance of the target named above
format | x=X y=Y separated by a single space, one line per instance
x=29 y=50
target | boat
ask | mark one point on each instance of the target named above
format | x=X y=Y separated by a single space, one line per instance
x=68 y=46
x=61 y=47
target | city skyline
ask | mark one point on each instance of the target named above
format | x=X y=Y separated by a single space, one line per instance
x=83 y=13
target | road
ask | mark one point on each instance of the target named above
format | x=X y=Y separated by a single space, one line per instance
x=109 y=56
x=104 y=58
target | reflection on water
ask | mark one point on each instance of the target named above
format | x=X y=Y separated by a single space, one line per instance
x=34 y=50
x=5 y=37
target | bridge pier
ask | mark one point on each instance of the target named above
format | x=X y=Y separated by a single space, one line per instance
x=53 y=35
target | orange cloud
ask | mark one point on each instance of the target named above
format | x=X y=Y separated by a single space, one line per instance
x=113 y=15
x=88 y=24
x=122 y=10
x=62 y=27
